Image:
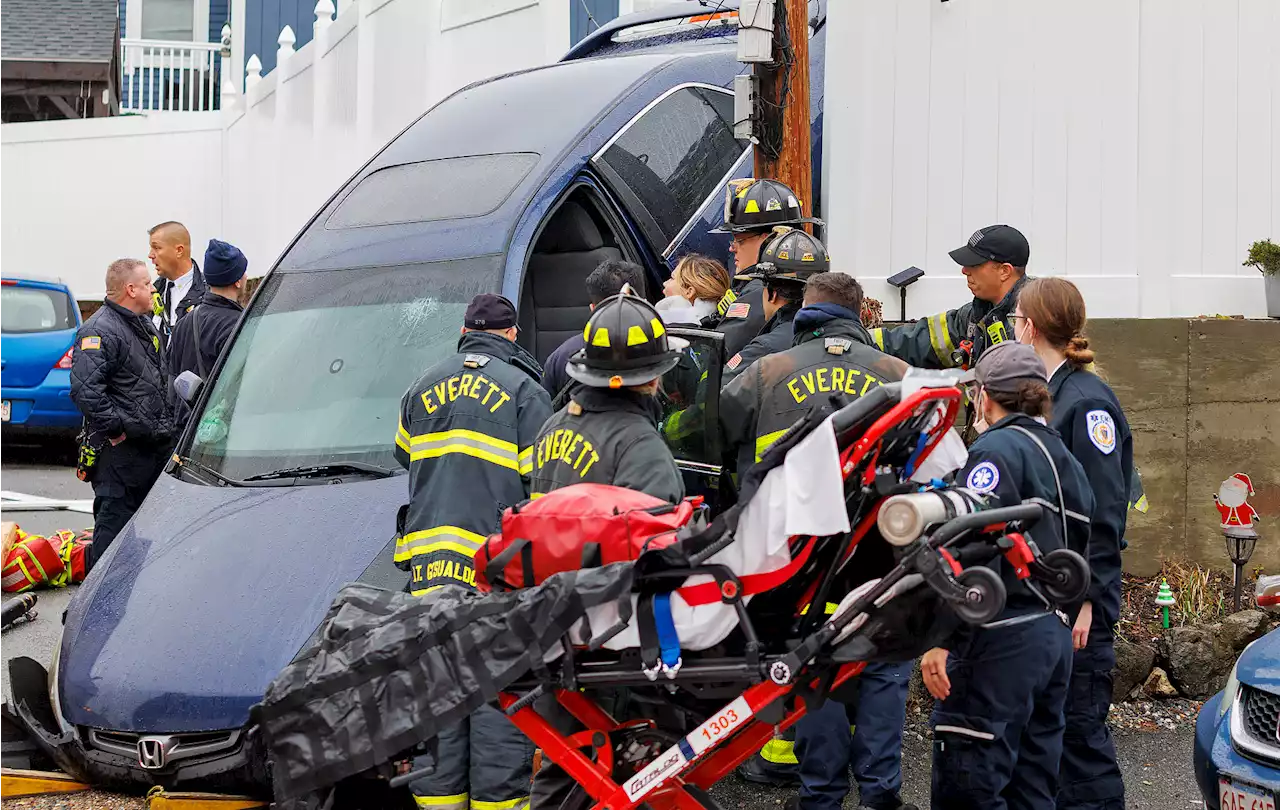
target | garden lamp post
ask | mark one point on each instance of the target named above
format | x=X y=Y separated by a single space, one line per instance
x=1237 y=526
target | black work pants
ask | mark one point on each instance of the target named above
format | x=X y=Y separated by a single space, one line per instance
x=123 y=479
x=1090 y=774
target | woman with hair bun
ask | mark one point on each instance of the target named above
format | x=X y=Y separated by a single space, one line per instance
x=1001 y=688
x=1050 y=317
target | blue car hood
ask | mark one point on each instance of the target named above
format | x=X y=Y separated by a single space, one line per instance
x=1259 y=666
x=208 y=593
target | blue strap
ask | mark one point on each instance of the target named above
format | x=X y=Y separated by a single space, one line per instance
x=910 y=469
x=668 y=641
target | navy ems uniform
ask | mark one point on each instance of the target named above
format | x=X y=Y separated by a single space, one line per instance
x=832 y=355
x=1094 y=429
x=998 y=735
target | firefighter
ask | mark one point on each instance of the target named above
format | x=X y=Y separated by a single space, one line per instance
x=752 y=208
x=466 y=436
x=998 y=725
x=833 y=356
x=994 y=263
x=1050 y=317
x=608 y=433
x=787 y=260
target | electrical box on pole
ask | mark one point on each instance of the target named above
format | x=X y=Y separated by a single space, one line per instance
x=755 y=31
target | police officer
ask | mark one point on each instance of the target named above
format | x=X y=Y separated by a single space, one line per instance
x=120 y=383
x=787 y=260
x=179 y=285
x=832 y=356
x=998 y=726
x=1050 y=317
x=466 y=436
x=994 y=263
x=198 y=338
x=752 y=208
x=608 y=433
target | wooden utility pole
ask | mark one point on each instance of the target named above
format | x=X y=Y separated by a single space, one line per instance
x=785 y=121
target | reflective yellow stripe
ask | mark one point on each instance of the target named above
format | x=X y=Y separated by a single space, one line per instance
x=466 y=450
x=764 y=442
x=402 y=438
x=475 y=436
x=533 y=496
x=466 y=442
x=519 y=803
x=1141 y=505
x=779 y=752
x=458 y=801
x=940 y=337
x=458 y=539
x=830 y=609
x=525 y=461
x=878 y=336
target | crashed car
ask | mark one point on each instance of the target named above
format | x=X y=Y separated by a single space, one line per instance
x=284 y=487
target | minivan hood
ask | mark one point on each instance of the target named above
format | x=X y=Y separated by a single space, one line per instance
x=208 y=593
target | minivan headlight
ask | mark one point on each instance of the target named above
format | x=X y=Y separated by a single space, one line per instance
x=1232 y=688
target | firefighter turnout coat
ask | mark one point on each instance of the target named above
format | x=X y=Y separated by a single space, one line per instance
x=929 y=342
x=466 y=436
x=835 y=359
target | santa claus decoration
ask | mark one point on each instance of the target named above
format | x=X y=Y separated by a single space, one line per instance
x=1233 y=506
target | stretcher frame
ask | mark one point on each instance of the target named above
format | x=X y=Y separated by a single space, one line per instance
x=678 y=778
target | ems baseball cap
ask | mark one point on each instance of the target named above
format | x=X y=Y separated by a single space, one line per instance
x=490 y=311
x=1002 y=367
x=994 y=243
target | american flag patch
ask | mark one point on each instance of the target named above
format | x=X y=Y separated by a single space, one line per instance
x=734 y=361
x=738 y=310
x=90 y=343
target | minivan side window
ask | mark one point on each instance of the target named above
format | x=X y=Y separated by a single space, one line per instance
x=668 y=160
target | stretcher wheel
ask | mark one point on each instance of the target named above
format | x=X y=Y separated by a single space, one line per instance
x=1064 y=575
x=983 y=597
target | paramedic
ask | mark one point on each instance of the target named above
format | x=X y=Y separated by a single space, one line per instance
x=198 y=339
x=1050 y=317
x=787 y=260
x=608 y=434
x=832 y=357
x=466 y=437
x=994 y=263
x=998 y=725
x=180 y=285
x=120 y=383
x=752 y=208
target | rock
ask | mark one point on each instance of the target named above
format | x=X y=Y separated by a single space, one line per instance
x=1133 y=664
x=1157 y=685
x=1239 y=629
x=1197 y=659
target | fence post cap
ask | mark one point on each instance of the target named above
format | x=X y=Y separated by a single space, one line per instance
x=286 y=38
x=324 y=9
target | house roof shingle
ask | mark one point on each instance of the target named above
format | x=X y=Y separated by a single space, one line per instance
x=58 y=30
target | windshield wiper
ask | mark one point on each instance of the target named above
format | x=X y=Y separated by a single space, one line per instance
x=204 y=471
x=326 y=470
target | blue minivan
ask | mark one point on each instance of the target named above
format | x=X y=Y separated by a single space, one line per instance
x=284 y=486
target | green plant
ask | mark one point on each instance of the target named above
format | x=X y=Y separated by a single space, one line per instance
x=1201 y=592
x=1265 y=256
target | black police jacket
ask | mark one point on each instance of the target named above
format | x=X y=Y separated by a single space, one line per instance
x=835 y=360
x=739 y=315
x=466 y=437
x=217 y=317
x=1093 y=427
x=605 y=436
x=929 y=342
x=119 y=378
x=776 y=336
x=1007 y=464
x=160 y=296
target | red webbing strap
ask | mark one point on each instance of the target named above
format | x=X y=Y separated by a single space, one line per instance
x=708 y=593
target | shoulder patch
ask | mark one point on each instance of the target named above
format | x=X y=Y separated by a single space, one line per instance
x=738 y=310
x=90 y=343
x=475 y=361
x=983 y=478
x=837 y=345
x=1102 y=431
x=734 y=361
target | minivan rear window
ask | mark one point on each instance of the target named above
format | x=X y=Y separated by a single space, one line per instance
x=317 y=371
x=449 y=188
x=34 y=309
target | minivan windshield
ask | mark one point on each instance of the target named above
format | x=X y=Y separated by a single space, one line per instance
x=317 y=371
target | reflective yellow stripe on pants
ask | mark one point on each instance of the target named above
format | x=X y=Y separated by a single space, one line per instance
x=470 y=443
x=519 y=803
x=458 y=801
x=779 y=752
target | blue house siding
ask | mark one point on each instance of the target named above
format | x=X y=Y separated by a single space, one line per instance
x=219 y=14
x=263 y=21
x=586 y=16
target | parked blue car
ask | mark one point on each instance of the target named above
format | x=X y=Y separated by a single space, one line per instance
x=39 y=321
x=285 y=486
x=1237 y=748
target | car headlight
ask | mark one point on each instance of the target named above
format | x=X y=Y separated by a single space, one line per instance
x=1232 y=688
x=53 y=681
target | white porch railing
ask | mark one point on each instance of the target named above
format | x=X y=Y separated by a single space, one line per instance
x=169 y=76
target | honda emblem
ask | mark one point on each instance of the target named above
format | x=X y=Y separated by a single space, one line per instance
x=153 y=752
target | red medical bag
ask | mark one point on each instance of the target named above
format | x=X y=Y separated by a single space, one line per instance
x=33 y=561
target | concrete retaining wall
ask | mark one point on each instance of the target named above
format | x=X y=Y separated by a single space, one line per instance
x=1203 y=400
